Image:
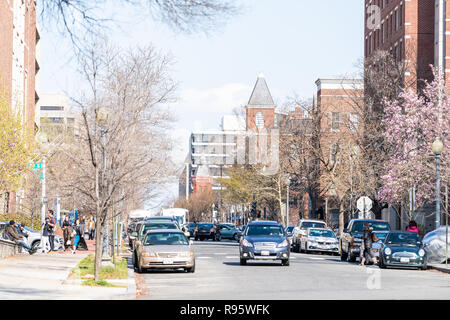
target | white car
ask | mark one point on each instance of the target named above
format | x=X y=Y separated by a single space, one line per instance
x=300 y=231
x=319 y=240
x=34 y=238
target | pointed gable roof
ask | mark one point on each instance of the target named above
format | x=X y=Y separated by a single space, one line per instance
x=261 y=97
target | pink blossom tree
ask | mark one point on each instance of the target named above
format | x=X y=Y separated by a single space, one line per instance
x=412 y=122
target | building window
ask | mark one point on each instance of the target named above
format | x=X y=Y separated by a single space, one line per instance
x=52 y=108
x=396 y=20
x=401 y=15
x=335 y=121
x=259 y=120
x=354 y=122
x=382 y=32
x=333 y=153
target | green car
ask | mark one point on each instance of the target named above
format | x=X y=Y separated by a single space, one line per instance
x=402 y=249
x=228 y=231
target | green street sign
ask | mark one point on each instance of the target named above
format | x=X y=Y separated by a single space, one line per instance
x=35 y=166
x=42 y=176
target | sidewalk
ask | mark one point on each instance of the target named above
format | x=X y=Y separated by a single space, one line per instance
x=440 y=267
x=45 y=277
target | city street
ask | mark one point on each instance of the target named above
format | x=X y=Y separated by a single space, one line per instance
x=219 y=275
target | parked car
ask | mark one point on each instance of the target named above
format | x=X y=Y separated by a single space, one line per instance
x=264 y=240
x=434 y=245
x=165 y=248
x=319 y=240
x=34 y=237
x=228 y=231
x=351 y=238
x=146 y=226
x=241 y=231
x=300 y=230
x=288 y=231
x=206 y=231
x=402 y=249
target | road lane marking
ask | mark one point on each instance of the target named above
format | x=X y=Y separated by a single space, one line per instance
x=315 y=258
x=204 y=257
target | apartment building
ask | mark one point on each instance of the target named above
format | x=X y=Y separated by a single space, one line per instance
x=413 y=31
x=18 y=70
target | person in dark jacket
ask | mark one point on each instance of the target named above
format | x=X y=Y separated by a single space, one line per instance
x=67 y=232
x=368 y=238
x=51 y=229
x=11 y=231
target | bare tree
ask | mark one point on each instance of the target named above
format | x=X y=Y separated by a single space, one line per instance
x=117 y=160
x=81 y=19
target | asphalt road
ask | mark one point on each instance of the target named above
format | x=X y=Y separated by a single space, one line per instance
x=219 y=276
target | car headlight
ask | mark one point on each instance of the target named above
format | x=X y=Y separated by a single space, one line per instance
x=246 y=243
x=149 y=254
x=387 y=251
x=421 y=252
x=285 y=243
x=186 y=254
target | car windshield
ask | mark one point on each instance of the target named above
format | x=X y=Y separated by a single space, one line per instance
x=166 y=238
x=403 y=238
x=321 y=233
x=205 y=225
x=376 y=225
x=309 y=224
x=162 y=225
x=265 y=230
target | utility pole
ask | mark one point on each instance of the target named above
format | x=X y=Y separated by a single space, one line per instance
x=44 y=200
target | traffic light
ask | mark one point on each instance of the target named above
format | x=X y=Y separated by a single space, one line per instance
x=254 y=204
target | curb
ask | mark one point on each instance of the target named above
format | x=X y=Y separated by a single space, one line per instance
x=131 y=280
x=439 y=268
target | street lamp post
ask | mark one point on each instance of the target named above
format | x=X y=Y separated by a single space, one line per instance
x=437 y=150
x=288 y=182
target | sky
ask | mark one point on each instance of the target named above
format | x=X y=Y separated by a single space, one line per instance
x=292 y=42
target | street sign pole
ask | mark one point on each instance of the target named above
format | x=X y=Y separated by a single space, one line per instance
x=43 y=191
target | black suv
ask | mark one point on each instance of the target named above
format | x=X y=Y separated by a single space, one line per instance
x=351 y=239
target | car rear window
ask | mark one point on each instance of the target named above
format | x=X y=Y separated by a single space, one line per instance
x=321 y=233
x=155 y=226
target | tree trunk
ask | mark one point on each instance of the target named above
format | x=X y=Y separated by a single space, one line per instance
x=98 y=248
x=341 y=216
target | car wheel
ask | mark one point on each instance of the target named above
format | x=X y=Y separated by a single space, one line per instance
x=381 y=264
x=243 y=262
x=35 y=246
x=343 y=255
x=191 y=270
x=202 y=238
x=350 y=257
x=285 y=262
x=235 y=237
x=139 y=268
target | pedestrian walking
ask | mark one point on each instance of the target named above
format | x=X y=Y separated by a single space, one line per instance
x=67 y=232
x=51 y=229
x=45 y=241
x=77 y=235
x=412 y=226
x=13 y=234
x=91 y=228
x=366 y=247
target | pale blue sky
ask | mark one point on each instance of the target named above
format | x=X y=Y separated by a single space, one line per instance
x=293 y=42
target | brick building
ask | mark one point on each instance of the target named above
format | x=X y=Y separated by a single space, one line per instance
x=412 y=31
x=335 y=100
x=18 y=68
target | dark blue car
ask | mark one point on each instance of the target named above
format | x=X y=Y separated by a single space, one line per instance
x=264 y=240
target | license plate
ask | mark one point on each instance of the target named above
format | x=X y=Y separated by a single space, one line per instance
x=265 y=253
x=168 y=261
x=404 y=260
